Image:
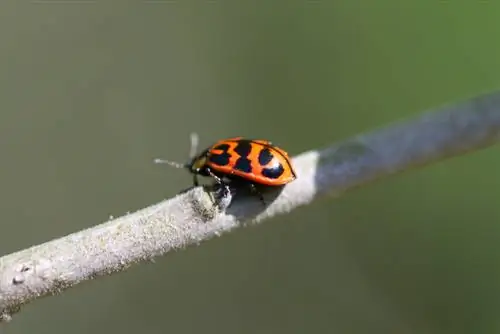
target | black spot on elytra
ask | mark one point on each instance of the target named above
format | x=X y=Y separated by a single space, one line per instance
x=265 y=157
x=243 y=164
x=243 y=149
x=220 y=159
x=273 y=172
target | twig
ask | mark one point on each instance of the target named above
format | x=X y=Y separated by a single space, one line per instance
x=191 y=217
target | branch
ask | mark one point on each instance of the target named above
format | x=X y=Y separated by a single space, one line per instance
x=191 y=217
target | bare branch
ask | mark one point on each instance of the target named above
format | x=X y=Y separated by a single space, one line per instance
x=191 y=217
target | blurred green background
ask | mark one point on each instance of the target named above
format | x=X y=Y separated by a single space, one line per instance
x=92 y=91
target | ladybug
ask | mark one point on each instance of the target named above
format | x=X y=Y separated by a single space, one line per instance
x=241 y=161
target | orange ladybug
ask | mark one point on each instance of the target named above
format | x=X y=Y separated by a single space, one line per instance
x=244 y=161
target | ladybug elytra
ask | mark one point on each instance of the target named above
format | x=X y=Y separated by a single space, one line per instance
x=244 y=161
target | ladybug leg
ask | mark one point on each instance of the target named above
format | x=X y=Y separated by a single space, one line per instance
x=216 y=178
x=219 y=181
x=224 y=193
x=256 y=191
x=195 y=180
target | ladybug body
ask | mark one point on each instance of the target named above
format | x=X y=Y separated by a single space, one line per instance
x=256 y=161
x=241 y=161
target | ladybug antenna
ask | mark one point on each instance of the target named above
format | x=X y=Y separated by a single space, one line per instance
x=171 y=163
x=192 y=153
x=194 y=144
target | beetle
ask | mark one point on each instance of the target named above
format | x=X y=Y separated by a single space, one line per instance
x=240 y=161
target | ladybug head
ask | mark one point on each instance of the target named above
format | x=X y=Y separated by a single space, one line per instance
x=197 y=163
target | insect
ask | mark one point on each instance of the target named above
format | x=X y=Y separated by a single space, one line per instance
x=240 y=161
